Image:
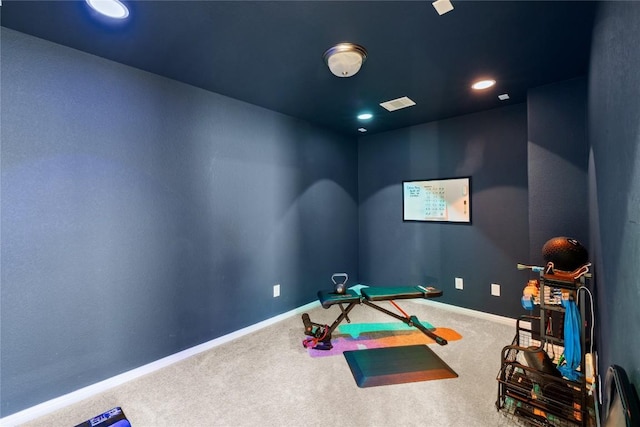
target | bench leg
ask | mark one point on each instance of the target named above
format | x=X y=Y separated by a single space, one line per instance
x=411 y=321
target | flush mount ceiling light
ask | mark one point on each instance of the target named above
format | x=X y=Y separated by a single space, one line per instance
x=365 y=116
x=483 y=84
x=111 y=8
x=345 y=59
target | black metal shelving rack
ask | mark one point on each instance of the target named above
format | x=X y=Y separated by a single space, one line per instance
x=535 y=393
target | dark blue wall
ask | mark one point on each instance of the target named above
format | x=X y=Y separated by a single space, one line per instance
x=141 y=217
x=558 y=159
x=491 y=147
x=614 y=176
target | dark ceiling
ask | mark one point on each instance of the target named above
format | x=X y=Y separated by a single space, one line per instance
x=269 y=53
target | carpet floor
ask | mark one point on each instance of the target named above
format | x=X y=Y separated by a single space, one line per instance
x=269 y=379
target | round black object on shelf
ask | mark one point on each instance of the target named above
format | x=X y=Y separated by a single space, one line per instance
x=565 y=253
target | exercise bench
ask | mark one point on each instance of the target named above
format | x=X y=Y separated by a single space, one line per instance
x=348 y=299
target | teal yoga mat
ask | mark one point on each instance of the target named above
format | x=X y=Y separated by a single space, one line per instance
x=396 y=365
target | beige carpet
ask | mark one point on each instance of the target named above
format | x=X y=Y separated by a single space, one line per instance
x=269 y=379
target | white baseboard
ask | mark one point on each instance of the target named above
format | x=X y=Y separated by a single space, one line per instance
x=469 y=312
x=52 y=405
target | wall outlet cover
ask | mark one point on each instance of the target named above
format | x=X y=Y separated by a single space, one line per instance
x=495 y=290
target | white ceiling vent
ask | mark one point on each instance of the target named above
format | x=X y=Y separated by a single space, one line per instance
x=442 y=6
x=397 y=104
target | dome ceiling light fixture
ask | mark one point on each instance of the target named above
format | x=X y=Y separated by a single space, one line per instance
x=345 y=59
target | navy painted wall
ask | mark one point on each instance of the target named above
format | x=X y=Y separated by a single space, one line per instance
x=141 y=217
x=558 y=159
x=491 y=147
x=614 y=176
x=181 y=208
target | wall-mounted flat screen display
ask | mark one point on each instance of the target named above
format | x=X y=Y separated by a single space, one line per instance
x=439 y=200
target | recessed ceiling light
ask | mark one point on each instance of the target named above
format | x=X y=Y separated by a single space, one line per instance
x=365 y=116
x=483 y=84
x=111 y=8
x=503 y=97
x=363 y=130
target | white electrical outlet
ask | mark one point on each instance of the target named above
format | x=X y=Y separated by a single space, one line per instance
x=276 y=290
x=459 y=283
x=495 y=289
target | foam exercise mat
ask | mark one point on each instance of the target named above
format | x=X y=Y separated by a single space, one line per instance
x=396 y=365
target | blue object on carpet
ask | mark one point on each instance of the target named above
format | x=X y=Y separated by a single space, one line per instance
x=112 y=418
